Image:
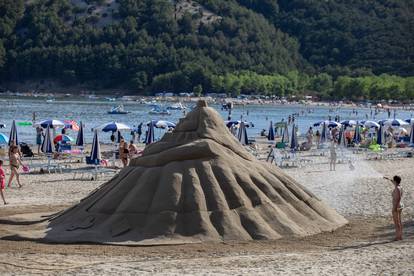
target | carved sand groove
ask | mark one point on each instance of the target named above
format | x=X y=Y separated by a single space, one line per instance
x=197 y=184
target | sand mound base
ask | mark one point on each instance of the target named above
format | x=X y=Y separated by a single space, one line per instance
x=197 y=184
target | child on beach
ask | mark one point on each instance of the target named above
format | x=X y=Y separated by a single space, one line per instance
x=2 y=182
x=397 y=206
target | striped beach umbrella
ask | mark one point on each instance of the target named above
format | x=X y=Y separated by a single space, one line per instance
x=324 y=134
x=80 y=139
x=47 y=146
x=95 y=156
x=380 y=136
x=112 y=127
x=271 y=134
x=51 y=124
x=150 y=134
x=13 y=139
x=294 y=140
x=285 y=135
x=242 y=135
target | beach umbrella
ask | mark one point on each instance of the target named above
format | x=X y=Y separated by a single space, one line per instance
x=112 y=127
x=51 y=124
x=294 y=140
x=380 y=136
x=47 y=146
x=271 y=134
x=13 y=134
x=150 y=134
x=412 y=134
x=232 y=123
x=4 y=139
x=80 y=139
x=95 y=156
x=333 y=124
x=357 y=134
x=395 y=122
x=320 y=123
x=63 y=138
x=324 y=134
x=162 y=124
x=370 y=124
x=381 y=122
x=342 y=138
x=410 y=121
x=348 y=123
x=285 y=135
x=242 y=135
x=118 y=137
x=71 y=124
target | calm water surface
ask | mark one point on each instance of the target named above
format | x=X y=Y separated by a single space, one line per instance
x=94 y=113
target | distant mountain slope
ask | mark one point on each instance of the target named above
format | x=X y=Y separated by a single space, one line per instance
x=374 y=34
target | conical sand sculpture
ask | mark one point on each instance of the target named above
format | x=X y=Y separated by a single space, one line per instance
x=196 y=184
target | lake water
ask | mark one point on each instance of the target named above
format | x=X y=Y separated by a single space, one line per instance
x=94 y=113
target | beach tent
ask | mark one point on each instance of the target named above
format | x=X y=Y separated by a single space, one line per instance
x=47 y=145
x=294 y=140
x=80 y=139
x=197 y=184
x=95 y=156
x=51 y=123
x=357 y=134
x=13 y=135
x=285 y=135
x=380 y=136
x=4 y=139
x=271 y=134
x=242 y=135
x=324 y=134
x=149 y=139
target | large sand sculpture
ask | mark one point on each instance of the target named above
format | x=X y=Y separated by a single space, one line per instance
x=196 y=184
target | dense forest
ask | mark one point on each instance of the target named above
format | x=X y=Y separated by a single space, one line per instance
x=333 y=49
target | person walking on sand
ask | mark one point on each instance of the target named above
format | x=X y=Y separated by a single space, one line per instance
x=2 y=182
x=15 y=163
x=123 y=152
x=39 y=135
x=397 y=206
x=332 y=150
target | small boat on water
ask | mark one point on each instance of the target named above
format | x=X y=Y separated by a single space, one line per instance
x=157 y=110
x=50 y=100
x=118 y=110
x=176 y=106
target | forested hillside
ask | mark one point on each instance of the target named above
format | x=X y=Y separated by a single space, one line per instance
x=245 y=46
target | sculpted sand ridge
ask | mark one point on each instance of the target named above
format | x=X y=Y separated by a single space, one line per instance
x=196 y=184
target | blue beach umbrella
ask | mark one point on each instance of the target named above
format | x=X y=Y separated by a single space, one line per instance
x=324 y=134
x=95 y=156
x=380 y=136
x=150 y=134
x=349 y=123
x=162 y=124
x=232 y=123
x=47 y=146
x=80 y=139
x=395 y=122
x=410 y=121
x=4 y=139
x=51 y=124
x=271 y=134
x=285 y=135
x=113 y=127
x=13 y=134
x=294 y=140
x=357 y=135
x=242 y=135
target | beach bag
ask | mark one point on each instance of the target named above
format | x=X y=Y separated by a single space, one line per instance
x=26 y=169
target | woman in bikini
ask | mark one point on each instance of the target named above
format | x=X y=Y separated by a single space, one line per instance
x=15 y=163
x=397 y=206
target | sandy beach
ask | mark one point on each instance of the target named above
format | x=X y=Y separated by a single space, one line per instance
x=363 y=247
